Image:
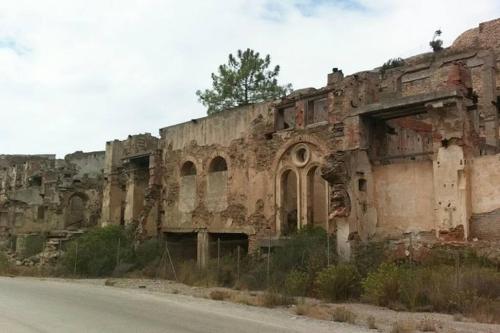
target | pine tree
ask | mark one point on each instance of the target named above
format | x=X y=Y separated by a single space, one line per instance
x=245 y=79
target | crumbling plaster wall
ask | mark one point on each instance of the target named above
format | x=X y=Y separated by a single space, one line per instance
x=35 y=191
x=131 y=192
x=404 y=198
x=223 y=201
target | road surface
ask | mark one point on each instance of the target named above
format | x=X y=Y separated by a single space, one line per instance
x=39 y=305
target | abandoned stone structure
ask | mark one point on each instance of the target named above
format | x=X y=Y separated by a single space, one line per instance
x=409 y=149
x=42 y=194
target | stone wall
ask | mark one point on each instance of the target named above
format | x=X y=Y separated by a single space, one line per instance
x=376 y=154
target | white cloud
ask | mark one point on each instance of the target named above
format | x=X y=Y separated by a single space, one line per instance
x=92 y=71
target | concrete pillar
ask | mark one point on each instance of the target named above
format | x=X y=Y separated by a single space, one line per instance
x=203 y=249
x=451 y=192
x=488 y=96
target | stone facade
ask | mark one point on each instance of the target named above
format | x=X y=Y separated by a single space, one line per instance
x=379 y=154
x=42 y=194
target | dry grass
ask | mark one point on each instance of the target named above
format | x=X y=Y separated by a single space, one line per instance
x=370 y=322
x=245 y=299
x=405 y=326
x=428 y=325
x=303 y=309
x=109 y=282
x=458 y=317
x=485 y=310
x=271 y=299
x=316 y=311
x=343 y=315
x=219 y=295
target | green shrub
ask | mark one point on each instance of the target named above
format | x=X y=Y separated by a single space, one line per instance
x=392 y=63
x=412 y=288
x=4 y=263
x=147 y=252
x=31 y=245
x=339 y=282
x=382 y=286
x=369 y=256
x=305 y=251
x=483 y=282
x=95 y=252
x=297 y=283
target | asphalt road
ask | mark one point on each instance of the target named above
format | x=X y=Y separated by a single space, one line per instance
x=37 y=305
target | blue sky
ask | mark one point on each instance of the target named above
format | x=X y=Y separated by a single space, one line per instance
x=77 y=73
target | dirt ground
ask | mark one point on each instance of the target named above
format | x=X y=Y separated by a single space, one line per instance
x=383 y=319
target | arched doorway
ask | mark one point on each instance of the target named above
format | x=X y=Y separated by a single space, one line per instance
x=76 y=212
x=317 y=198
x=289 y=202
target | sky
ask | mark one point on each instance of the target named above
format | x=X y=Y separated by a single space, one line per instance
x=77 y=73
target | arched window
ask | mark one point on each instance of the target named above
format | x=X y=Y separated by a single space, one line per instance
x=217 y=185
x=188 y=169
x=218 y=164
x=76 y=211
x=289 y=203
x=187 y=191
x=317 y=198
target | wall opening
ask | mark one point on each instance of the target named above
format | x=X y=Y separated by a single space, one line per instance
x=289 y=206
x=217 y=184
x=76 y=212
x=362 y=185
x=40 y=215
x=137 y=184
x=188 y=169
x=218 y=164
x=285 y=118
x=317 y=201
x=187 y=191
x=401 y=139
x=316 y=111
x=226 y=244
x=182 y=245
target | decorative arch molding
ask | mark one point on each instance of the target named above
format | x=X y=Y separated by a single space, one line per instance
x=305 y=139
x=313 y=151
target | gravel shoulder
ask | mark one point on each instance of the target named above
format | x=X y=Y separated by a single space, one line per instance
x=316 y=311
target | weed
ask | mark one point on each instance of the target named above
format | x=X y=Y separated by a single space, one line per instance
x=219 y=295
x=370 y=322
x=343 y=315
x=403 y=327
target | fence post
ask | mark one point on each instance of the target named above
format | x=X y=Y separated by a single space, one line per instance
x=170 y=259
x=457 y=269
x=269 y=260
x=327 y=249
x=60 y=249
x=76 y=257
x=118 y=252
x=238 y=263
x=218 y=259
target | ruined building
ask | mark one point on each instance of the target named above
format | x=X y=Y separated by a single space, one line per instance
x=42 y=194
x=411 y=149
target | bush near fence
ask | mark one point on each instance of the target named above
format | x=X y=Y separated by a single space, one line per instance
x=449 y=280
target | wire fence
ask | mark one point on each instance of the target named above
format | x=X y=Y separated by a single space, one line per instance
x=230 y=264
